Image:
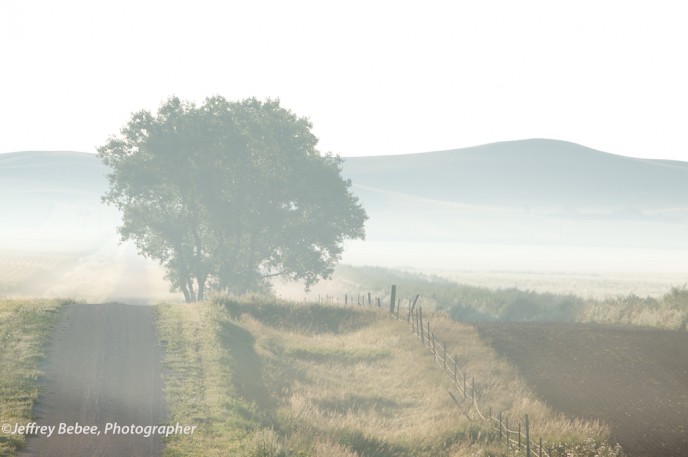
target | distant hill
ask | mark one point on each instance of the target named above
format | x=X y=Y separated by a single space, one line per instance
x=465 y=205
x=527 y=174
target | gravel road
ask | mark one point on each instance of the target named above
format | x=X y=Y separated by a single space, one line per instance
x=103 y=370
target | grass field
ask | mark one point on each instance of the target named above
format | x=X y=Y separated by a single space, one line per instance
x=266 y=378
x=25 y=330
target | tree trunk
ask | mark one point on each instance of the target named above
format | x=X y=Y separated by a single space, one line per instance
x=201 y=288
x=185 y=291
x=190 y=286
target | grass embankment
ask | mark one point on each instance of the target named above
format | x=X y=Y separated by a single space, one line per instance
x=275 y=379
x=25 y=330
x=198 y=383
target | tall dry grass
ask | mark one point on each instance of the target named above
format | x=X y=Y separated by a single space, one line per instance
x=500 y=389
x=670 y=311
x=356 y=382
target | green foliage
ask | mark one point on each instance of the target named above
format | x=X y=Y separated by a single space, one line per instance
x=228 y=194
x=669 y=311
x=470 y=303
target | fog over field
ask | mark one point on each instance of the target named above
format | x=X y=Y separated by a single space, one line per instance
x=539 y=214
x=527 y=213
x=58 y=240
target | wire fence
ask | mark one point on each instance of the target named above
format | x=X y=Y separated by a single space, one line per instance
x=517 y=436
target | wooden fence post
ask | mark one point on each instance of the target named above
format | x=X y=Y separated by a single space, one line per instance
x=519 y=436
x=489 y=422
x=527 y=438
x=369 y=302
x=393 y=299
x=428 y=332
x=420 y=324
x=508 y=433
x=540 y=447
x=500 y=427
x=414 y=304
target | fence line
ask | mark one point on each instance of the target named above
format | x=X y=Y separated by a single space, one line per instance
x=431 y=342
x=414 y=319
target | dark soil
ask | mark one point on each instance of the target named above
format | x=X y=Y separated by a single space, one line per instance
x=103 y=367
x=633 y=379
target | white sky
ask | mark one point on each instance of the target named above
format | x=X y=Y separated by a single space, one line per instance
x=379 y=77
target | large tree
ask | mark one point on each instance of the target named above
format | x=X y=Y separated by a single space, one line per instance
x=227 y=195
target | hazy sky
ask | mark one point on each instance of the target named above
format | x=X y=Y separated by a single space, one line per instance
x=374 y=77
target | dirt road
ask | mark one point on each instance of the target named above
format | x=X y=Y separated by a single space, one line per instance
x=633 y=379
x=103 y=369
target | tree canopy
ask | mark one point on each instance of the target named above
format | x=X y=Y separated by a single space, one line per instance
x=227 y=195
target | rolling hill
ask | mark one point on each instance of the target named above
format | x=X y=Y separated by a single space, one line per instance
x=530 y=173
x=531 y=192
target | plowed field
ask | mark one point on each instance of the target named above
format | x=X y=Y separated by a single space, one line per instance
x=633 y=379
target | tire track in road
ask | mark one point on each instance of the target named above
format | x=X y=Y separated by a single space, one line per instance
x=104 y=367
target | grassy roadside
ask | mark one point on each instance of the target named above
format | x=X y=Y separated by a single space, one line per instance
x=265 y=378
x=25 y=329
x=198 y=387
